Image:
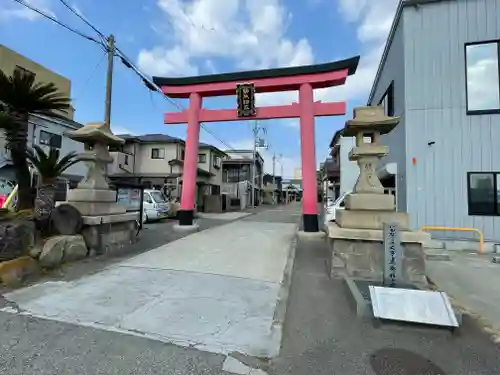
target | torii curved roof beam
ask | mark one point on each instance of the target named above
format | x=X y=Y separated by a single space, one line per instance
x=268 y=80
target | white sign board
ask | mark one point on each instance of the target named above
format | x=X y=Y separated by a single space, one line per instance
x=408 y=305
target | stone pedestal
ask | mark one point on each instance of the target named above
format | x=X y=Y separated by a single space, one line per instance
x=356 y=238
x=107 y=226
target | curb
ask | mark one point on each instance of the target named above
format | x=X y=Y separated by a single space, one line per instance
x=282 y=304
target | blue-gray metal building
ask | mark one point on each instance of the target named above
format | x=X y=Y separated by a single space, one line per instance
x=440 y=73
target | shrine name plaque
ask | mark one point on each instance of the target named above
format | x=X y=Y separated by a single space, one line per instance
x=245 y=95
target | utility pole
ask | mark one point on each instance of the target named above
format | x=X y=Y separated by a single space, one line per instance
x=109 y=80
x=255 y=130
x=274 y=167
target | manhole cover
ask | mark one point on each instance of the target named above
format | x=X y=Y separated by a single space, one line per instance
x=402 y=362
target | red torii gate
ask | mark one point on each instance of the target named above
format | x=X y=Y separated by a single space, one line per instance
x=303 y=78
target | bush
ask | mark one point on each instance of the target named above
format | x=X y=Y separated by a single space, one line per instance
x=6 y=214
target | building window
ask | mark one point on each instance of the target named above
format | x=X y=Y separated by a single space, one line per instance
x=202 y=158
x=50 y=139
x=126 y=160
x=217 y=162
x=157 y=153
x=387 y=100
x=183 y=154
x=482 y=77
x=483 y=193
x=25 y=71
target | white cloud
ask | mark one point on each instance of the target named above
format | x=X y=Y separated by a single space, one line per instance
x=16 y=10
x=373 y=20
x=163 y=62
x=117 y=130
x=248 y=33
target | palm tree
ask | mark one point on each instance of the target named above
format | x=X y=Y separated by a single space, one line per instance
x=49 y=167
x=20 y=95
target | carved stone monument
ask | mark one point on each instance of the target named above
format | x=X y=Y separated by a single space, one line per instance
x=106 y=225
x=356 y=238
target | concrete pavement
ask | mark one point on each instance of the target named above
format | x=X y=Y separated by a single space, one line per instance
x=472 y=282
x=217 y=290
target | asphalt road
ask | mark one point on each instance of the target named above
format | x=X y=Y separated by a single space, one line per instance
x=321 y=334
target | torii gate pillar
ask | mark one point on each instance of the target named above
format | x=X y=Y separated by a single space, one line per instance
x=308 y=157
x=303 y=78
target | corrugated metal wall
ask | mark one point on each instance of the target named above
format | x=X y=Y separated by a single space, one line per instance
x=393 y=71
x=435 y=35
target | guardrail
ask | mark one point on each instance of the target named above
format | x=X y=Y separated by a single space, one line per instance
x=480 y=234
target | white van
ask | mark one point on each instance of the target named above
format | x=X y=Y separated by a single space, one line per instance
x=155 y=205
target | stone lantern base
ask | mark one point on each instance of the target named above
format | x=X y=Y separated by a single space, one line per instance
x=108 y=234
x=359 y=254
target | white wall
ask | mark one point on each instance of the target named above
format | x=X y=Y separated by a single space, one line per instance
x=349 y=170
x=37 y=124
x=146 y=165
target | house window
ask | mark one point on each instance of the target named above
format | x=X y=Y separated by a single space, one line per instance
x=157 y=153
x=20 y=69
x=202 y=158
x=50 y=139
x=217 y=162
x=183 y=154
x=126 y=160
x=482 y=77
x=387 y=100
x=483 y=193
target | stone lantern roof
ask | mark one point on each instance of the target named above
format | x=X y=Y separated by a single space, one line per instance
x=370 y=119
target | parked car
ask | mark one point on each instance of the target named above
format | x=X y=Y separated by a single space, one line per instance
x=333 y=207
x=155 y=205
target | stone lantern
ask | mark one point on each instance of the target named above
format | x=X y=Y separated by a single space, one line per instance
x=107 y=225
x=356 y=236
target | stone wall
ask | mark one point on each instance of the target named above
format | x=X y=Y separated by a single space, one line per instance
x=16 y=238
x=365 y=260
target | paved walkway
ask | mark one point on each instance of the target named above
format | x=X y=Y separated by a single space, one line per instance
x=223 y=215
x=217 y=290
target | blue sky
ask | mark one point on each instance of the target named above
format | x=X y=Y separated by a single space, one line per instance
x=189 y=37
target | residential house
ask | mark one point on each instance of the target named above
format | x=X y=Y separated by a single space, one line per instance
x=272 y=189
x=156 y=161
x=341 y=172
x=47 y=132
x=440 y=73
x=237 y=176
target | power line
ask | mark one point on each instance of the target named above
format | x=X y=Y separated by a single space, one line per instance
x=43 y=14
x=152 y=86
x=90 y=76
x=72 y=10
x=124 y=59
